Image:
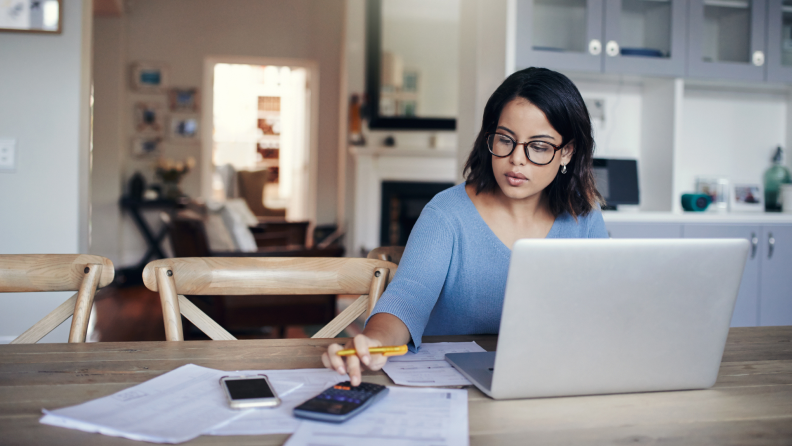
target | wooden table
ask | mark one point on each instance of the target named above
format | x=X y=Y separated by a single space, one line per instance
x=750 y=404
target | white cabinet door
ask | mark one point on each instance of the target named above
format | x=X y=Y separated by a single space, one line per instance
x=776 y=276
x=746 y=310
x=644 y=230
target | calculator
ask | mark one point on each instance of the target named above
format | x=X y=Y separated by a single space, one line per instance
x=341 y=402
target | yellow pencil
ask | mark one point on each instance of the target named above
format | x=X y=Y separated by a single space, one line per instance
x=391 y=350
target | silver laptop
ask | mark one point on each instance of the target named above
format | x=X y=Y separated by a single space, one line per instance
x=583 y=317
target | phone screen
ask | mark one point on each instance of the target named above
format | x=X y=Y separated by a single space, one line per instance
x=241 y=389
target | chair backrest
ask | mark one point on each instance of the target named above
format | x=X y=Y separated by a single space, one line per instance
x=173 y=278
x=83 y=273
x=387 y=253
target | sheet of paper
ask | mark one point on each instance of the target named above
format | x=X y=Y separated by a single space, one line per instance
x=437 y=417
x=428 y=367
x=280 y=420
x=171 y=408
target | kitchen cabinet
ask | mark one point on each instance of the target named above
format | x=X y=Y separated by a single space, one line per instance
x=779 y=40
x=765 y=295
x=726 y=39
x=746 y=310
x=560 y=34
x=613 y=36
x=775 y=307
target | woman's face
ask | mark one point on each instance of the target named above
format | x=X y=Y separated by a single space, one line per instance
x=518 y=177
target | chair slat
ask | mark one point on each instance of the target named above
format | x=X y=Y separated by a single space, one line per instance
x=49 y=272
x=48 y=323
x=283 y=275
x=203 y=322
x=346 y=317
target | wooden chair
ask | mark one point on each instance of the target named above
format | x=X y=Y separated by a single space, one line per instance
x=387 y=253
x=173 y=278
x=20 y=273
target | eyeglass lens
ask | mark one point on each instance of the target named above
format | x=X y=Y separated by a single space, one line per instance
x=537 y=151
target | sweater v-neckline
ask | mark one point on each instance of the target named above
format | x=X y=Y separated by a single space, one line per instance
x=491 y=234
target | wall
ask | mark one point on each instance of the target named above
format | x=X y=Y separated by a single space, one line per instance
x=44 y=86
x=182 y=33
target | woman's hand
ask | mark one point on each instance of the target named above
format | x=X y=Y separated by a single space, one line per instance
x=361 y=343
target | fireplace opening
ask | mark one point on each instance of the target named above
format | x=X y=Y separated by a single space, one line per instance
x=402 y=203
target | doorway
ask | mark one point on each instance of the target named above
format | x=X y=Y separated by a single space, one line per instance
x=263 y=115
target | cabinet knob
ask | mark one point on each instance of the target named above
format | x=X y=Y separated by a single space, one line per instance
x=758 y=58
x=612 y=48
x=595 y=47
x=754 y=244
x=770 y=245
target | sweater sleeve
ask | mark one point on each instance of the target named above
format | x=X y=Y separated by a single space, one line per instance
x=422 y=272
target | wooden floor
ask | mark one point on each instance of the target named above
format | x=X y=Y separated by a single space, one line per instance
x=125 y=314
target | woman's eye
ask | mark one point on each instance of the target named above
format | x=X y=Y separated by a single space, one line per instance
x=504 y=140
x=540 y=147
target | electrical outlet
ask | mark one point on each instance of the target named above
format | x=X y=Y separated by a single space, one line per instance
x=7 y=154
x=596 y=108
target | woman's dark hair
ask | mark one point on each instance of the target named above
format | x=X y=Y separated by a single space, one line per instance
x=555 y=95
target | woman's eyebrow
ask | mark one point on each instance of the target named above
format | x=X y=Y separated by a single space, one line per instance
x=508 y=130
x=542 y=136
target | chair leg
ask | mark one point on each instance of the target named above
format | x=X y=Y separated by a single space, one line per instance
x=169 y=299
x=85 y=297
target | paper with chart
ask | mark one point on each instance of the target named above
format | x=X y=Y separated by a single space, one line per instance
x=437 y=417
x=281 y=420
x=428 y=367
x=171 y=408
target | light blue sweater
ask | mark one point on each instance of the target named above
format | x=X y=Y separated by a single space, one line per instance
x=452 y=277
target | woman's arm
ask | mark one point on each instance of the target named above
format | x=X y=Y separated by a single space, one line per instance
x=382 y=329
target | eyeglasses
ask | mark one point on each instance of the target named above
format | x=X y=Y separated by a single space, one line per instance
x=537 y=152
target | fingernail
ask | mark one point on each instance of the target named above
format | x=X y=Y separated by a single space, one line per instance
x=366 y=359
x=341 y=370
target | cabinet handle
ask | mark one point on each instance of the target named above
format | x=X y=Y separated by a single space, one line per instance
x=770 y=245
x=758 y=58
x=612 y=48
x=595 y=47
x=754 y=244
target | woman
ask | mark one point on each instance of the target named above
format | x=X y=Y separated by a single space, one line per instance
x=529 y=176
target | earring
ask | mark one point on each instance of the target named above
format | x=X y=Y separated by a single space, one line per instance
x=563 y=168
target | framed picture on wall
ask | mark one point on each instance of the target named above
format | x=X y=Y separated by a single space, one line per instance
x=183 y=127
x=31 y=16
x=183 y=99
x=149 y=118
x=143 y=147
x=149 y=77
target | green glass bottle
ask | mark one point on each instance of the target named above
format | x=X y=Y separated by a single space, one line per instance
x=774 y=177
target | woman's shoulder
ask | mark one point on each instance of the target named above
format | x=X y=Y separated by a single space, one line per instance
x=589 y=225
x=452 y=200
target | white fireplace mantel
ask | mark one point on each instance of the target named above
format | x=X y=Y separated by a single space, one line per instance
x=378 y=164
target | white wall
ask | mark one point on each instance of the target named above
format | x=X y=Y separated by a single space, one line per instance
x=182 y=33
x=44 y=86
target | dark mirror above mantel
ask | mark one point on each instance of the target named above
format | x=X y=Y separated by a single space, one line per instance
x=412 y=64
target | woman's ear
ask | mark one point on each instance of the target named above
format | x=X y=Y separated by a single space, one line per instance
x=567 y=152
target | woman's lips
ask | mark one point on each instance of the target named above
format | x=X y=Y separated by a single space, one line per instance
x=516 y=178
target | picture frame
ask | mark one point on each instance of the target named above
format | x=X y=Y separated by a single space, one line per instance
x=184 y=127
x=149 y=77
x=143 y=147
x=31 y=16
x=183 y=99
x=746 y=196
x=149 y=118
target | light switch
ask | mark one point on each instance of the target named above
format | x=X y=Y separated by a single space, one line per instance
x=7 y=154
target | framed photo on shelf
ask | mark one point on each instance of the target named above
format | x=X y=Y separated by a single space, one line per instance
x=183 y=127
x=183 y=99
x=149 y=77
x=747 y=197
x=149 y=118
x=143 y=147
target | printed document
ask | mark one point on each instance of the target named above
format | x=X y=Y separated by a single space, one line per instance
x=172 y=408
x=428 y=367
x=437 y=417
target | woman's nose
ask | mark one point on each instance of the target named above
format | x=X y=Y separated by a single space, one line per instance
x=517 y=156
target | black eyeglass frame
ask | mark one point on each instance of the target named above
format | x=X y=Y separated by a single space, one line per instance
x=525 y=148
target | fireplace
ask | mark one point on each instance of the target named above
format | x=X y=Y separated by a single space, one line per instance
x=402 y=203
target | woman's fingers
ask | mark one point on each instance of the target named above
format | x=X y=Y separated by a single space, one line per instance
x=353 y=366
x=333 y=361
x=362 y=344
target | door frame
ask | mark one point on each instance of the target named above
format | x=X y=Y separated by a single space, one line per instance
x=207 y=120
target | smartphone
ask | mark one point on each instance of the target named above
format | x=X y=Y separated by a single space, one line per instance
x=245 y=392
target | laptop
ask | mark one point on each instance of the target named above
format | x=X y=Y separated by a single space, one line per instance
x=600 y=316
